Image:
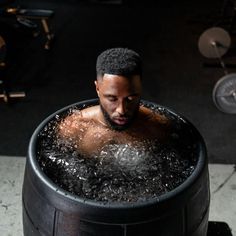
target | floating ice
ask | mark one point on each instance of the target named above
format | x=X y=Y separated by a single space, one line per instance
x=119 y=172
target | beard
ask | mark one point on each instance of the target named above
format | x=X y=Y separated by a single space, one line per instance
x=115 y=126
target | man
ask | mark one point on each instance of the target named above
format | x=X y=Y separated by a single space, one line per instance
x=119 y=118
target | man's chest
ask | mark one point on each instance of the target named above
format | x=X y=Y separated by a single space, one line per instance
x=95 y=139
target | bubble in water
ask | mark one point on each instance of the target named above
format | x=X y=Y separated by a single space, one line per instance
x=120 y=172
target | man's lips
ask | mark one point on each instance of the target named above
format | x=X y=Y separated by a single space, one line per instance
x=121 y=121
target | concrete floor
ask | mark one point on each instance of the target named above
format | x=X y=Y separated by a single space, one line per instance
x=223 y=195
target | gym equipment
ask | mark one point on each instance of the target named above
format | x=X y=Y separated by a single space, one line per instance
x=214 y=43
x=6 y=95
x=224 y=94
x=26 y=17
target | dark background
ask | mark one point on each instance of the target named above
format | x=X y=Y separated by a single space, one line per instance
x=164 y=33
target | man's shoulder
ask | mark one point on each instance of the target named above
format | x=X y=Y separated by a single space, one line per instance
x=89 y=112
x=85 y=114
x=152 y=116
x=77 y=122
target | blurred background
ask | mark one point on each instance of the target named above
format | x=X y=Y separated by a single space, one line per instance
x=60 y=72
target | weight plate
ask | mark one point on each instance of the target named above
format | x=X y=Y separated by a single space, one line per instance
x=224 y=94
x=217 y=36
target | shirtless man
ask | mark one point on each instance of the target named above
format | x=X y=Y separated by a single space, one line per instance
x=119 y=118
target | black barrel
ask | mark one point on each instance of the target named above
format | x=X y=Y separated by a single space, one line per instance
x=51 y=211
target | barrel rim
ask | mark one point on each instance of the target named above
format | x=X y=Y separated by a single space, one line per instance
x=202 y=158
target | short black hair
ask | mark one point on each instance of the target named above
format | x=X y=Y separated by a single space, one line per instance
x=119 y=61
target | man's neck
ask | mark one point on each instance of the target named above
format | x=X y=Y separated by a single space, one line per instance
x=100 y=118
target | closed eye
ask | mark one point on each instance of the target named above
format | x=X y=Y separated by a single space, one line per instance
x=111 y=98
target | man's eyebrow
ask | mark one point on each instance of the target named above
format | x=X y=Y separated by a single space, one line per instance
x=109 y=95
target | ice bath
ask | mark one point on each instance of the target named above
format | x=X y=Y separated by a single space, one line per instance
x=118 y=171
x=123 y=190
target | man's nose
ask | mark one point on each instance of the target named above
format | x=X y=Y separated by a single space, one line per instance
x=122 y=108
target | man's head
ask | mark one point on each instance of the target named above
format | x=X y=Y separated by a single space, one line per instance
x=118 y=86
x=119 y=61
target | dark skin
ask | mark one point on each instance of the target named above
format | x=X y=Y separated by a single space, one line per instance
x=119 y=119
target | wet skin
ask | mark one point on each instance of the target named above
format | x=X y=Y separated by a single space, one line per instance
x=119 y=119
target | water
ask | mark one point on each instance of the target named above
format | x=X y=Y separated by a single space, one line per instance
x=119 y=172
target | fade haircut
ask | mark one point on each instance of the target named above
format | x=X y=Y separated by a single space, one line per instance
x=119 y=61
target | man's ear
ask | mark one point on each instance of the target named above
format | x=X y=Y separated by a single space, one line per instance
x=97 y=87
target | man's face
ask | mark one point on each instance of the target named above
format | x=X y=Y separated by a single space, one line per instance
x=119 y=99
